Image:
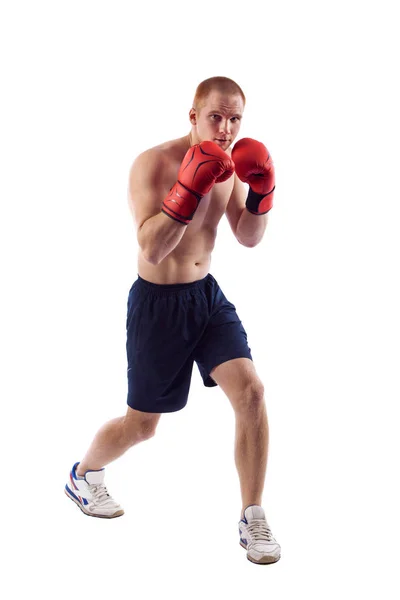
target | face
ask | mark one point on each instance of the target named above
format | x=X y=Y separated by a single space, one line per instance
x=218 y=120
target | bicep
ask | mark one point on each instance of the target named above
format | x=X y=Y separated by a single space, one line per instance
x=236 y=204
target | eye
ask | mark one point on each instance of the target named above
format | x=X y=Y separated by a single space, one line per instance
x=235 y=119
x=216 y=116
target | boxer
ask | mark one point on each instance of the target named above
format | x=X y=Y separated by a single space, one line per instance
x=177 y=314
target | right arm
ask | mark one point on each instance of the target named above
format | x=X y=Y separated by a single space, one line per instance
x=157 y=234
x=160 y=232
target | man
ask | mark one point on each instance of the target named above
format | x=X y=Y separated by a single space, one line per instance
x=178 y=315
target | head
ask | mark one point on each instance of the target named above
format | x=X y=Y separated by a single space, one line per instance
x=217 y=111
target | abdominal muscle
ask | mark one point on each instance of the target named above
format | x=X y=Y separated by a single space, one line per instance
x=188 y=262
x=174 y=270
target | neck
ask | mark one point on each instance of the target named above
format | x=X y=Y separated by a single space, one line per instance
x=192 y=139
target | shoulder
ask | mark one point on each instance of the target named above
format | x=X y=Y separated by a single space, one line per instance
x=158 y=160
x=149 y=161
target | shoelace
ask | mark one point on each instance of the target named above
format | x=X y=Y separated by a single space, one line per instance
x=101 y=495
x=260 y=530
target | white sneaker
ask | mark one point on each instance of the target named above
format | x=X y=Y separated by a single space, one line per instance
x=90 y=494
x=256 y=537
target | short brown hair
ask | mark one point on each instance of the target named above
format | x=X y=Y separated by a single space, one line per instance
x=220 y=84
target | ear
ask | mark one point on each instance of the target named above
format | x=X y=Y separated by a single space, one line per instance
x=192 y=116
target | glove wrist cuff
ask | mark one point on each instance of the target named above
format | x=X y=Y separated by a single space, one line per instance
x=253 y=202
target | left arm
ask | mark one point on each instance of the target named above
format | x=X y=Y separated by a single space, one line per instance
x=248 y=228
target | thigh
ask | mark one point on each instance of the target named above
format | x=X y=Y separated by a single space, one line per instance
x=159 y=382
x=163 y=327
x=239 y=381
x=224 y=339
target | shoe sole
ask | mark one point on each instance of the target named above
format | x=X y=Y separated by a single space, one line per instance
x=267 y=560
x=85 y=512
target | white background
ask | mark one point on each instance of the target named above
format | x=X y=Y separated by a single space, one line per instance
x=86 y=86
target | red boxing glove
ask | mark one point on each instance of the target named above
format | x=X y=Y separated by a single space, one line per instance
x=203 y=165
x=254 y=166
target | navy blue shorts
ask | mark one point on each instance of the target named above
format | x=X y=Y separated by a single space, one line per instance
x=169 y=327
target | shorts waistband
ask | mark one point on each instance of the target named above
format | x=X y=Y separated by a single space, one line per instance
x=171 y=288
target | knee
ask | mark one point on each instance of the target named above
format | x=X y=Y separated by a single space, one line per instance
x=139 y=433
x=251 y=398
x=139 y=427
x=147 y=431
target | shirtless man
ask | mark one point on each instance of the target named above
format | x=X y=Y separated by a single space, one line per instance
x=178 y=315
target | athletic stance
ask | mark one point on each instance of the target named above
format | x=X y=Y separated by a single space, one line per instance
x=177 y=314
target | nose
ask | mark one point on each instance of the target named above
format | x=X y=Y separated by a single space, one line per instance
x=225 y=126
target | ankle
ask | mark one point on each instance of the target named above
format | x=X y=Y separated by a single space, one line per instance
x=80 y=472
x=258 y=503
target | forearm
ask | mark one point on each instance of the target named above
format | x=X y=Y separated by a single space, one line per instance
x=158 y=236
x=250 y=228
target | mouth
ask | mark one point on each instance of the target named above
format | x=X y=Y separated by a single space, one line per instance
x=221 y=141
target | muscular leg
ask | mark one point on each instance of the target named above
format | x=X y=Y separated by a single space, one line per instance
x=251 y=453
x=116 y=436
x=238 y=379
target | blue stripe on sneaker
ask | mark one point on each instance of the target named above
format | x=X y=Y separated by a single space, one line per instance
x=72 y=493
x=83 y=501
